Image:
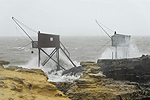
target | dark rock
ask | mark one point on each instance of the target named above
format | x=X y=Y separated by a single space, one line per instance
x=91 y=86
x=12 y=68
x=2 y=84
x=4 y=62
x=133 y=69
x=73 y=71
x=58 y=95
x=63 y=86
x=13 y=87
x=10 y=98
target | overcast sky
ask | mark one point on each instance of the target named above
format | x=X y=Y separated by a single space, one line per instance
x=76 y=17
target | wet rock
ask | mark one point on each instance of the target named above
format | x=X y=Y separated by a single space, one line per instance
x=76 y=71
x=91 y=86
x=133 y=69
x=73 y=71
x=4 y=62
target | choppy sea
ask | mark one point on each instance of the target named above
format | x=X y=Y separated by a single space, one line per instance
x=17 y=50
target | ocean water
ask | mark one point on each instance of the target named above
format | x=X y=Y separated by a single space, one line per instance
x=17 y=50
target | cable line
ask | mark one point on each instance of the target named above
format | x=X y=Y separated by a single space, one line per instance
x=103 y=46
x=26 y=26
x=16 y=21
x=102 y=28
x=105 y=26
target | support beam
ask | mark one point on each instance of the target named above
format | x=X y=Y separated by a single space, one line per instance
x=52 y=59
x=112 y=55
x=68 y=57
x=57 y=56
x=115 y=52
x=39 y=57
x=50 y=56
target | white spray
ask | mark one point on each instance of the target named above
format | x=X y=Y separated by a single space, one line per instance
x=131 y=51
x=50 y=67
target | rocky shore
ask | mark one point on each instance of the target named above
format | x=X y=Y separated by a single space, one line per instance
x=95 y=86
x=133 y=69
x=17 y=83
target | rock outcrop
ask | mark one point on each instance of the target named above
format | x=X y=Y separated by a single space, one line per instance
x=133 y=69
x=4 y=62
x=94 y=86
x=73 y=71
x=18 y=83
